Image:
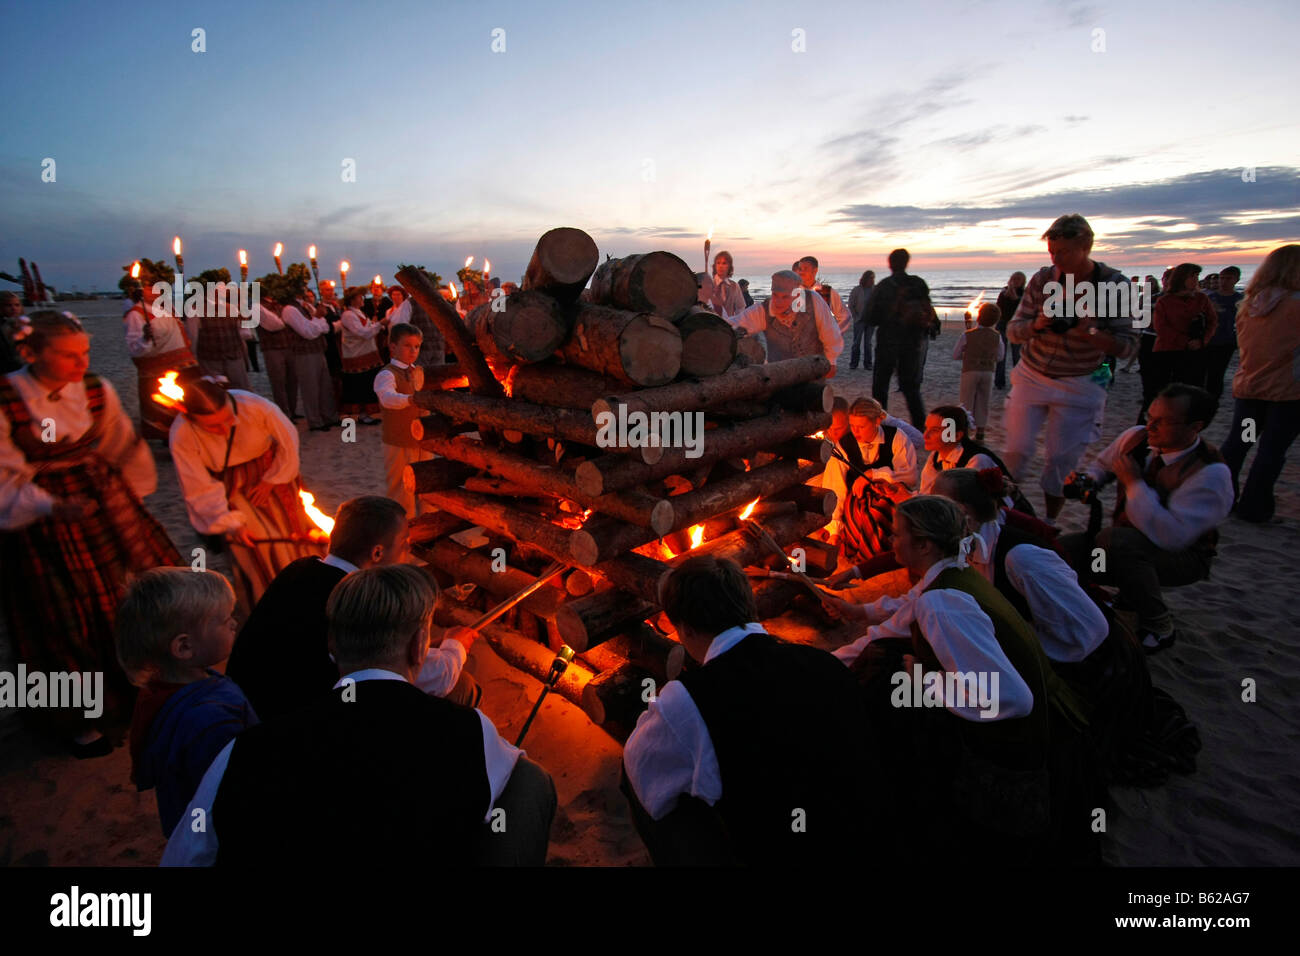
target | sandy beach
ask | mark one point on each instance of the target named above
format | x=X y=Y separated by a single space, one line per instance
x=1240 y=807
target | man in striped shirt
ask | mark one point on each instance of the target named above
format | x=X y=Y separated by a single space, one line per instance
x=1074 y=314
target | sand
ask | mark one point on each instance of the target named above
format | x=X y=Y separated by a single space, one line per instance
x=1241 y=807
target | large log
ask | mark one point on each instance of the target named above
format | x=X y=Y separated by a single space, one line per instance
x=505 y=520
x=708 y=343
x=633 y=347
x=430 y=426
x=634 y=507
x=464 y=564
x=810 y=499
x=635 y=573
x=438 y=474
x=731 y=494
x=749 y=352
x=529 y=328
x=615 y=699
x=746 y=383
x=656 y=282
x=453 y=330
x=562 y=262
x=519 y=651
x=745 y=549
x=515 y=414
x=611 y=472
x=599 y=616
x=563 y=386
x=434 y=524
x=451 y=375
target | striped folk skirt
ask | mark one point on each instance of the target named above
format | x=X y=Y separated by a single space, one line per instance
x=869 y=527
x=64 y=579
x=282 y=519
x=156 y=420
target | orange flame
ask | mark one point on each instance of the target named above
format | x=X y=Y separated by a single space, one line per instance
x=344 y=266
x=279 y=248
x=468 y=261
x=169 y=394
x=311 y=252
x=176 y=246
x=820 y=434
x=243 y=257
x=973 y=308
x=487 y=268
x=697 y=536
x=749 y=509
x=135 y=270
x=318 y=517
x=452 y=286
x=508 y=383
x=377 y=281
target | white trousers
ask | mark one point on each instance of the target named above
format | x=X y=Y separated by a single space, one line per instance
x=976 y=390
x=1071 y=408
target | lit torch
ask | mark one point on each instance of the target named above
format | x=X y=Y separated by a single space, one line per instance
x=344 y=266
x=972 y=310
x=243 y=265
x=487 y=270
x=169 y=394
x=311 y=254
x=469 y=261
x=708 y=241
x=135 y=269
x=180 y=260
x=279 y=249
x=320 y=519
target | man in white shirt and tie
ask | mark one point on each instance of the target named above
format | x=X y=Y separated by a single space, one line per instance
x=755 y=757
x=1174 y=491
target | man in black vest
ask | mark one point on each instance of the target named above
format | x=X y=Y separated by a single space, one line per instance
x=756 y=757
x=1174 y=492
x=281 y=658
x=377 y=773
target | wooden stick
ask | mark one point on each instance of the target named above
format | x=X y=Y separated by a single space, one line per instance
x=555 y=568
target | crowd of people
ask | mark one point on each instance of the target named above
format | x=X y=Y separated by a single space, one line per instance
x=346 y=709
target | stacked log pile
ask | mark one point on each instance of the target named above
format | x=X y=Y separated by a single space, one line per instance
x=568 y=432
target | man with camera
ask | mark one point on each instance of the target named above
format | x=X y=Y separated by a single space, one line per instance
x=1065 y=339
x=1174 y=490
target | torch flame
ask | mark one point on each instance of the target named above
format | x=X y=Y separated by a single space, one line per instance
x=135 y=270
x=243 y=257
x=697 y=536
x=311 y=252
x=973 y=308
x=176 y=246
x=344 y=266
x=487 y=268
x=468 y=261
x=169 y=394
x=377 y=281
x=749 y=509
x=709 y=237
x=279 y=248
x=820 y=434
x=318 y=517
x=452 y=286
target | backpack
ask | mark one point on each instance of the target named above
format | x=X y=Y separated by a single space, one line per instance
x=912 y=306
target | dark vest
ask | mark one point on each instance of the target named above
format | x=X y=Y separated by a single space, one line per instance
x=796 y=339
x=981 y=353
x=884 y=451
x=392 y=777
x=786 y=725
x=1166 y=480
x=396 y=427
x=219 y=338
x=299 y=345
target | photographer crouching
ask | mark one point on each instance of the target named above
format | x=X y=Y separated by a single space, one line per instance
x=1174 y=490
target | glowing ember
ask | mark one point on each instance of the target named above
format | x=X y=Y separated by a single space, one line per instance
x=697 y=536
x=318 y=517
x=135 y=270
x=749 y=509
x=169 y=394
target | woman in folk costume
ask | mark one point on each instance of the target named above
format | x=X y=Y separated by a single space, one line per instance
x=982 y=732
x=236 y=455
x=157 y=344
x=361 y=359
x=72 y=527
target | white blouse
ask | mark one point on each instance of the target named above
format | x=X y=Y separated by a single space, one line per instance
x=196 y=453
x=22 y=502
x=167 y=335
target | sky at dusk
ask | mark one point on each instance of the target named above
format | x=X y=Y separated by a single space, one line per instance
x=959 y=130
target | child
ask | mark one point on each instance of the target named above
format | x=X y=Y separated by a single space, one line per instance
x=72 y=527
x=394 y=386
x=173 y=627
x=980 y=349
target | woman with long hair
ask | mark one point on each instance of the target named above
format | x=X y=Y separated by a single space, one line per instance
x=727 y=297
x=236 y=455
x=1266 y=388
x=73 y=472
x=1184 y=321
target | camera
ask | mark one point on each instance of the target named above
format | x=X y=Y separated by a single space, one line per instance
x=1082 y=488
x=1062 y=324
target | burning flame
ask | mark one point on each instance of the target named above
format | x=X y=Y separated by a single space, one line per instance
x=169 y=394
x=279 y=248
x=243 y=257
x=344 y=266
x=487 y=268
x=973 y=308
x=468 y=261
x=135 y=270
x=318 y=517
x=452 y=286
x=697 y=536
x=311 y=252
x=749 y=509
x=508 y=383
x=176 y=246
x=820 y=434
x=377 y=281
